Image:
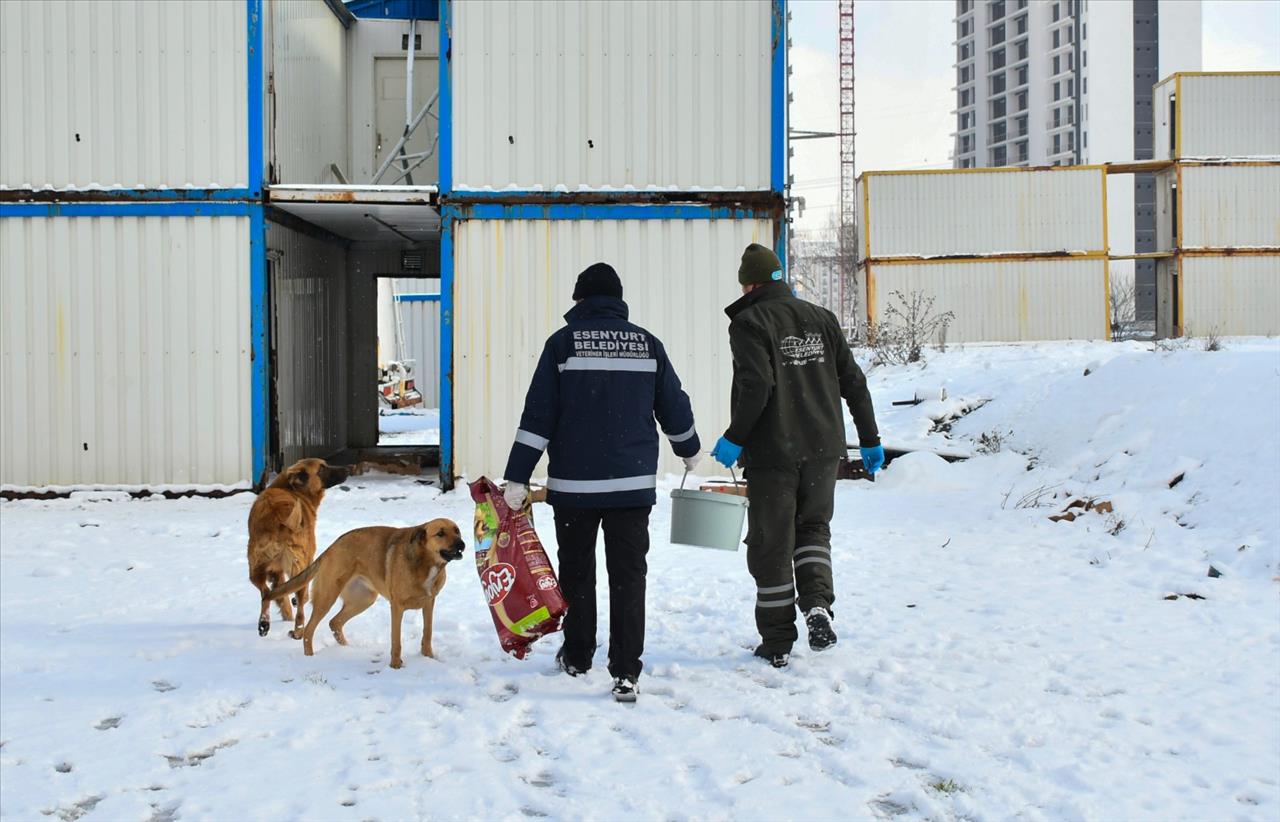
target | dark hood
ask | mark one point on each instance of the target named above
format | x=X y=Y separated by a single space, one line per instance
x=597 y=308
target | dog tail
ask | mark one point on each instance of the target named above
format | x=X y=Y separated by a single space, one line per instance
x=295 y=584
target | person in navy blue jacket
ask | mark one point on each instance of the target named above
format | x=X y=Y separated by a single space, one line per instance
x=599 y=386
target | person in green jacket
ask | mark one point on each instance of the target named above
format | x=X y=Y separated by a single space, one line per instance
x=791 y=369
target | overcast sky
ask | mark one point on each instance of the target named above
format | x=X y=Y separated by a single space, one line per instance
x=904 y=77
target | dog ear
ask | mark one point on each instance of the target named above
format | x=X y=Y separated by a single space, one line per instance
x=299 y=480
x=415 y=546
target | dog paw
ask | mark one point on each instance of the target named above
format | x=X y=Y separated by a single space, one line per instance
x=295 y=634
x=427 y=651
x=264 y=625
x=339 y=638
x=397 y=662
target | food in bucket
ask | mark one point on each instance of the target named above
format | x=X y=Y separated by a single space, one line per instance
x=515 y=575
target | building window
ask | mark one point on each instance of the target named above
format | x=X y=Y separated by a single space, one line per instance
x=1020 y=25
x=997 y=108
x=1071 y=140
x=997 y=83
x=997 y=35
x=1022 y=4
x=1071 y=114
x=966 y=97
x=964 y=75
x=1084 y=59
x=1084 y=31
x=1021 y=50
x=1086 y=139
x=1057 y=65
x=1022 y=126
x=1070 y=34
x=1020 y=101
x=998 y=132
x=996 y=60
x=999 y=156
x=1071 y=87
x=1084 y=86
x=1057 y=117
x=997 y=9
x=1071 y=62
x=966 y=28
x=1055 y=12
x=1022 y=75
x=966 y=144
x=965 y=52
x=1056 y=41
x=1057 y=144
x=1022 y=151
x=1057 y=92
x=964 y=6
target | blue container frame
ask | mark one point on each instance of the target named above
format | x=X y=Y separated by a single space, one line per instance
x=249 y=201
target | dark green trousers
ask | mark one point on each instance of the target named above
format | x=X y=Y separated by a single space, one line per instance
x=789 y=544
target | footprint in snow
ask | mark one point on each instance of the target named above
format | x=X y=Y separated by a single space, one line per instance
x=70 y=813
x=533 y=813
x=162 y=686
x=63 y=767
x=509 y=690
x=164 y=813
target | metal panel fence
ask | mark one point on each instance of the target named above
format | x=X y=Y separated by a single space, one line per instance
x=514 y=281
x=1002 y=301
x=420 y=319
x=125 y=348
x=119 y=94
x=956 y=213
x=593 y=94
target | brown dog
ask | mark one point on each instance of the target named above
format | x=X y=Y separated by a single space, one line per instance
x=282 y=533
x=405 y=565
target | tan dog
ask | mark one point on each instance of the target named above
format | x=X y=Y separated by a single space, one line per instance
x=282 y=533
x=405 y=565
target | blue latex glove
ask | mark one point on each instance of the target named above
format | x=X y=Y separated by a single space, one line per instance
x=872 y=459
x=725 y=452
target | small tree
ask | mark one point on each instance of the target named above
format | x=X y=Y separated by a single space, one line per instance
x=1123 y=303
x=909 y=324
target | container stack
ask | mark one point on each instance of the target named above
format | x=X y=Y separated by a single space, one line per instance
x=1218 y=204
x=1014 y=253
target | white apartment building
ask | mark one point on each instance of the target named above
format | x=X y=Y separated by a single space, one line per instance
x=1069 y=82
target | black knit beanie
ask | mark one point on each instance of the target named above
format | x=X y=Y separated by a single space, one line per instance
x=598 y=280
x=759 y=266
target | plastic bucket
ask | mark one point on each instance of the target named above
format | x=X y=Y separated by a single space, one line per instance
x=707 y=519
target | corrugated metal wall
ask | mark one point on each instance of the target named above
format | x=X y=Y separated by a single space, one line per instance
x=121 y=94
x=309 y=334
x=514 y=281
x=596 y=94
x=422 y=339
x=1231 y=295
x=949 y=213
x=1230 y=206
x=1005 y=301
x=307 y=66
x=1225 y=115
x=125 y=351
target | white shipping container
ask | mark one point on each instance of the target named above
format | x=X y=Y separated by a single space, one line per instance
x=1000 y=301
x=120 y=94
x=306 y=114
x=514 y=281
x=596 y=94
x=1234 y=206
x=1236 y=295
x=1217 y=115
x=953 y=213
x=125 y=351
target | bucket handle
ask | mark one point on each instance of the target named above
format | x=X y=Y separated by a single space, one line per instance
x=732 y=473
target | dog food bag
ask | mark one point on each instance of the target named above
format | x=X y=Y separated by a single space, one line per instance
x=515 y=574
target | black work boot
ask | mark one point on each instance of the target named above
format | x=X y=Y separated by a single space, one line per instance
x=821 y=635
x=778 y=659
x=625 y=689
x=568 y=667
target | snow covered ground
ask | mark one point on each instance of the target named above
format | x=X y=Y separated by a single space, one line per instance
x=409 y=426
x=992 y=664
